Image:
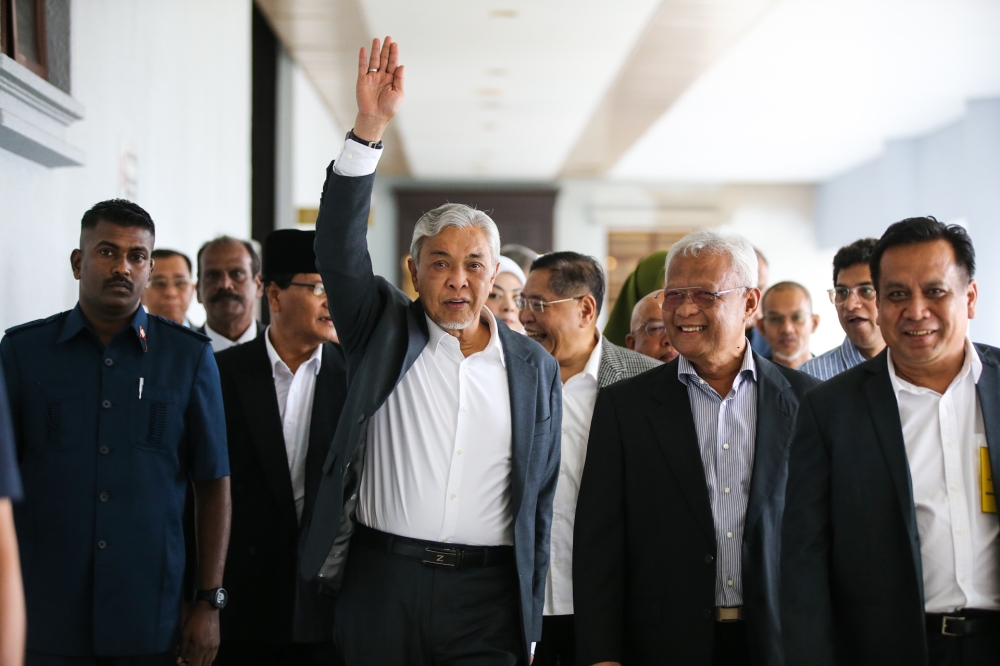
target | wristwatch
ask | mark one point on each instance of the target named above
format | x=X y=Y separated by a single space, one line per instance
x=217 y=597
x=354 y=137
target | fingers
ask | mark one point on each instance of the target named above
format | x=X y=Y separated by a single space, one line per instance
x=362 y=63
x=376 y=48
x=384 y=55
x=397 y=79
x=393 y=58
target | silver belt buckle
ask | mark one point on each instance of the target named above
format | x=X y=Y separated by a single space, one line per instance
x=944 y=624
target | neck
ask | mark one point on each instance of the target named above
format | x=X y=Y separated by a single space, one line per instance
x=793 y=362
x=575 y=359
x=104 y=325
x=871 y=352
x=937 y=376
x=473 y=338
x=720 y=372
x=291 y=349
x=231 y=330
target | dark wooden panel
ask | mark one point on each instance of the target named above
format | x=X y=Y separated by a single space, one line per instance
x=523 y=216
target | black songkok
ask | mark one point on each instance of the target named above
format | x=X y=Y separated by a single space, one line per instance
x=289 y=251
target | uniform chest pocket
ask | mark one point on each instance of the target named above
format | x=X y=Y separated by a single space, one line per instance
x=155 y=418
x=58 y=418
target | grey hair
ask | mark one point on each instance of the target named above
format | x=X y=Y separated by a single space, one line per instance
x=460 y=216
x=741 y=253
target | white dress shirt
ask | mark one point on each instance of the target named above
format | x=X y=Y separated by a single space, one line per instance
x=438 y=459
x=943 y=434
x=220 y=342
x=356 y=159
x=579 y=397
x=295 y=403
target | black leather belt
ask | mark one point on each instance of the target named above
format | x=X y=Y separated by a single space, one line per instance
x=963 y=622
x=434 y=553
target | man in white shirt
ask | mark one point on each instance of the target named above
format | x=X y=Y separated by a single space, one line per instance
x=433 y=513
x=559 y=307
x=890 y=549
x=228 y=286
x=283 y=392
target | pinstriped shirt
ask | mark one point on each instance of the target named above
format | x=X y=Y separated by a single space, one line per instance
x=832 y=363
x=727 y=435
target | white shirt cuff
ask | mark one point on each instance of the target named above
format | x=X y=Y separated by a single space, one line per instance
x=533 y=647
x=356 y=159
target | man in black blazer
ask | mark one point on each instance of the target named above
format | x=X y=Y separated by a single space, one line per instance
x=677 y=524
x=890 y=549
x=284 y=392
x=435 y=504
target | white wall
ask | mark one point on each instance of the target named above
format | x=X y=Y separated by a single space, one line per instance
x=173 y=81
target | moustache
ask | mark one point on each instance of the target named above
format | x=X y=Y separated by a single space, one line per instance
x=220 y=296
x=114 y=282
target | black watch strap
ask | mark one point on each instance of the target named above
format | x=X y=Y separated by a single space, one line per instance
x=217 y=597
x=364 y=142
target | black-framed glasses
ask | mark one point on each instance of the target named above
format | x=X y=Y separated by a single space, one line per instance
x=163 y=283
x=699 y=296
x=652 y=329
x=537 y=304
x=839 y=295
x=317 y=289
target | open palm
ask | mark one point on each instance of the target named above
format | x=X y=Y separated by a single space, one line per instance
x=379 y=92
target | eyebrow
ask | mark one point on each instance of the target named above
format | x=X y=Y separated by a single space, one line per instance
x=866 y=283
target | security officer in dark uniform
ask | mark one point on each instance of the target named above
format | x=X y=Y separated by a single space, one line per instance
x=114 y=413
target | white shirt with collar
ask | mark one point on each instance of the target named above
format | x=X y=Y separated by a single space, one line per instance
x=943 y=434
x=438 y=459
x=295 y=402
x=220 y=342
x=579 y=398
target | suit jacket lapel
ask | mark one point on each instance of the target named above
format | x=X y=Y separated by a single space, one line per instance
x=416 y=324
x=774 y=429
x=673 y=423
x=885 y=415
x=522 y=380
x=988 y=390
x=323 y=420
x=260 y=406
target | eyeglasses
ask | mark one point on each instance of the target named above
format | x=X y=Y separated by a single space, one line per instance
x=537 y=304
x=839 y=295
x=798 y=318
x=163 y=283
x=652 y=329
x=317 y=289
x=701 y=298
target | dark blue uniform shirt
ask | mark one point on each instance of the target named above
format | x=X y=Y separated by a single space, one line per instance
x=10 y=480
x=105 y=467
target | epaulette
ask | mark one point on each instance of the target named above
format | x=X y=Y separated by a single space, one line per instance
x=35 y=324
x=182 y=327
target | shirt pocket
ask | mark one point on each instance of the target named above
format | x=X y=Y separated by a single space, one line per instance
x=57 y=418
x=154 y=418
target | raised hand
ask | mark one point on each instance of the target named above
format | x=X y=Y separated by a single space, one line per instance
x=379 y=89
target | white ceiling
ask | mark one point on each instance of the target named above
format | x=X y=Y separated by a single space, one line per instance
x=503 y=89
x=818 y=86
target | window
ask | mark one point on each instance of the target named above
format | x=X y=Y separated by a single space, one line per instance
x=22 y=34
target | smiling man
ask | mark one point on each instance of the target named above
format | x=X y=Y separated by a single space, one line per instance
x=115 y=412
x=890 y=548
x=432 y=516
x=853 y=295
x=677 y=525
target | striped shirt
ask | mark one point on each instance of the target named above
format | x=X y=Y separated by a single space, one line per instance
x=832 y=363
x=727 y=435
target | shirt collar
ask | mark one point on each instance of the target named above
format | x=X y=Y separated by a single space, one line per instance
x=247 y=336
x=76 y=321
x=316 y=359
x=436 y=335
x=748 y=370
x=971 y=365
x=850 y=354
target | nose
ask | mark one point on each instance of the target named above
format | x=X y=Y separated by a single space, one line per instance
x=122 y=268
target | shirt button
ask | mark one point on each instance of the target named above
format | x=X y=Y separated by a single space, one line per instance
x=558 y=561
x=465 y=408
x=727 y=491
x=102 y=544
x=725 y=446
x=103 y=497
x=730 y=582
x=106 y=404
x=108 y=362
x=709 y=559
x=453 y=495
x=459 y=452
x=104 y=450
x=729 y=535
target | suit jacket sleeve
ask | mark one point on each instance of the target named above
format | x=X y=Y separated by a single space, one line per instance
x=343 y=260
x=806 y=540
x=599 y=542
x=546 y=495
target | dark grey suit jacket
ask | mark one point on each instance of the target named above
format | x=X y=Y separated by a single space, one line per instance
x=383 y=332
x=852 y=586
x=644 y=570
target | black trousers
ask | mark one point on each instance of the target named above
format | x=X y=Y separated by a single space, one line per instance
x=558 y=644
x=243 y=653
x=730 y=646
x=397 y=611
x=979 y=649
x=42 y=659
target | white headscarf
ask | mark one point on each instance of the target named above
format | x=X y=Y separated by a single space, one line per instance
x=508 y=265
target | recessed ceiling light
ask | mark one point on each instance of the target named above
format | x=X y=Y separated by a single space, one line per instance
x=490 y=92
x=503 y=13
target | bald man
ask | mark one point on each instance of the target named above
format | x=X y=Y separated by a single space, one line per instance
x=787 y=323
x=648 y=334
